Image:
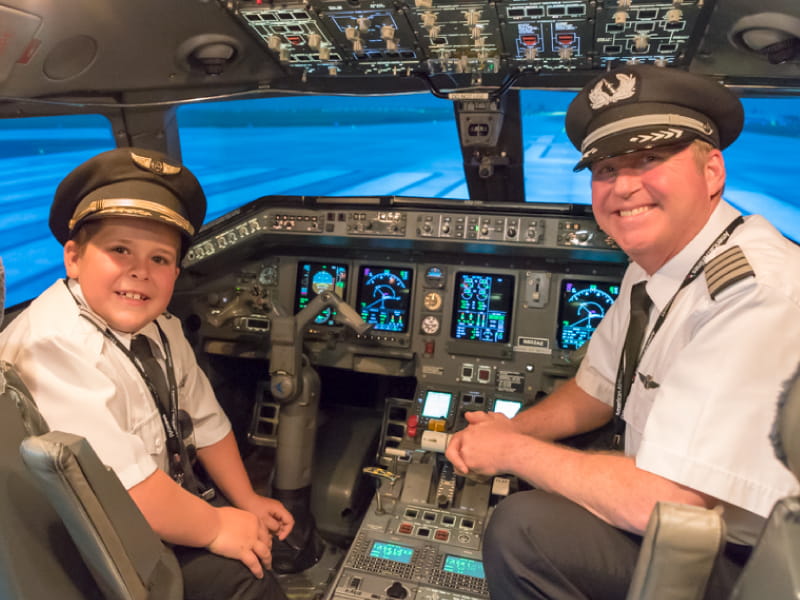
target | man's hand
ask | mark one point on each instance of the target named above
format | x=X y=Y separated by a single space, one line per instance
x=242 y=536
x=483 y=446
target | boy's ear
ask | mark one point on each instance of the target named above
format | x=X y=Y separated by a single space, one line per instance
x=71 y=255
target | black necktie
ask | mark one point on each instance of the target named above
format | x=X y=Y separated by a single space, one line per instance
x=179 y=462
x=140 y=348
x=640 y=312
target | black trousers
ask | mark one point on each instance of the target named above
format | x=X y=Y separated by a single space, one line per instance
x=540 y=545
x=208 y=576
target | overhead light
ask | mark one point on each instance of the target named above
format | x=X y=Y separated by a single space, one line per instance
x=210 y=54
x=775 y=36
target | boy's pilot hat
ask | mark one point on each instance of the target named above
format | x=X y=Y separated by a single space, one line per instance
x=128 y=182
x=638 y=107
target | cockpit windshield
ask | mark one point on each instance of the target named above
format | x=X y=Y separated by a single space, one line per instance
x=345 y=146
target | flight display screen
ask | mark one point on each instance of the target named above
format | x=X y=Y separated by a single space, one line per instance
x=436 y=404
x=463 y=566
x=389 y=551
x=313 y=278
x=582 y=305
x=384 y=297
x=507 y=407
x=483 y=306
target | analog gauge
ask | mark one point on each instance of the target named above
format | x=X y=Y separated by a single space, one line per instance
x=430 y=325
x=268 y=275
x=432 y=301
x=434 y=277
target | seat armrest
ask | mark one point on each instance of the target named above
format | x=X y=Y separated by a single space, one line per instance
x=679 y=548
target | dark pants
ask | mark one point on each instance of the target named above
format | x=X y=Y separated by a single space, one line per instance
x=208 y=576
x=540 y=545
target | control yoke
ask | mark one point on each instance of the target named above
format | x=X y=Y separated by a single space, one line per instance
x=295 y=384
x=286 y=337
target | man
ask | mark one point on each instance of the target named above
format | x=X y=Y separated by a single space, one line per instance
x=693 y=404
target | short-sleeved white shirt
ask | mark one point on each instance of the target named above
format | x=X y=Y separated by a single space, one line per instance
x=84 y=384
x=715 y=370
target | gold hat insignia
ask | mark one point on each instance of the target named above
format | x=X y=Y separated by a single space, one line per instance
x=159 y=167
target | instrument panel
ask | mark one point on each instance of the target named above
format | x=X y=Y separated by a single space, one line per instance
x=487 y=305
x=479 y=306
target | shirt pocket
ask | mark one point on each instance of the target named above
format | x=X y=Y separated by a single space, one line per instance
x=151 y=432
x=640 y=402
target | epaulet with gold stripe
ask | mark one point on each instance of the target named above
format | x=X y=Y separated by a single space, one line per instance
x=725 y=269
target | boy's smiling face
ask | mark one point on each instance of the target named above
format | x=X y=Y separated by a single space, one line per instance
x=127 y=270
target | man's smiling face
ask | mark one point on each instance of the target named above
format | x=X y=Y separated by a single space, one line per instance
x=653 y=202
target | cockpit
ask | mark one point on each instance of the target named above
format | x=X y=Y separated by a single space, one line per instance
x=395 y=234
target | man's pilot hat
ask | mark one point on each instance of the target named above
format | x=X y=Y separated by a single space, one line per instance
x=638 y=107
x=128 y=182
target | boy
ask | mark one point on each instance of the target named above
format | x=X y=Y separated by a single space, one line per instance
x=125 y=219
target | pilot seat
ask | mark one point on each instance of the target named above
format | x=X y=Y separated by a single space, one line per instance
x=681 y=542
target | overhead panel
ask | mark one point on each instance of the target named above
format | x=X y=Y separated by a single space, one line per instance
x=325 y=38
x=553 y=36
x=663 y=32
x=457 y=37
x=374 y=41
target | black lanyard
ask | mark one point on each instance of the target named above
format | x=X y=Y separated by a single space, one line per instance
x=169 y=414
x=619 y=397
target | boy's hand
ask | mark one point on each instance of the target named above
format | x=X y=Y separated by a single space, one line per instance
x=244 y=537
x=272 y=514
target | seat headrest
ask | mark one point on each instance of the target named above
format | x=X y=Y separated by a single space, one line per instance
x=12 y=387
x=786 y=429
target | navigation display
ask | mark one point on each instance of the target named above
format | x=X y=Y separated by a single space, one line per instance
x=384 y=297
x=483 y=306
x=582 y=305
x=463 y=566
x=436 y=404
x=389 y=551
x=313 y=278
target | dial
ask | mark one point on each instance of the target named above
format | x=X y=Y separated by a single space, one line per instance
x=430 y=325
x=268 y=275
x=432 y=301
x=434 y=277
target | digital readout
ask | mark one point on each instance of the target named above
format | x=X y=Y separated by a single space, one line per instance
x=463 y=566
x=395 y=552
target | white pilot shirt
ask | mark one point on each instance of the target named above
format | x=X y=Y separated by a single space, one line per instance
x=84 y=384
x=715 y=371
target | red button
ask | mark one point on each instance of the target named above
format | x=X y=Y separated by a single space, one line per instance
x=411 y=425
